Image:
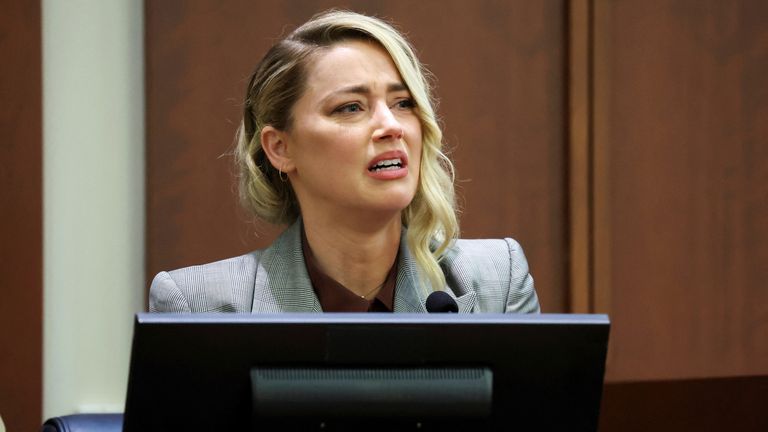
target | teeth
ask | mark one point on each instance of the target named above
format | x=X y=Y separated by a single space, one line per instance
x=387 y=164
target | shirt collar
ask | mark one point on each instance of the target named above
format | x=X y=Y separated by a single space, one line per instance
x=335 y=297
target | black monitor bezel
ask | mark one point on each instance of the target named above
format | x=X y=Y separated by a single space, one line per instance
x=188 y=371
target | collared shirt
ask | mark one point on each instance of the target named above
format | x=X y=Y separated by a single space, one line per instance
x=335 y=297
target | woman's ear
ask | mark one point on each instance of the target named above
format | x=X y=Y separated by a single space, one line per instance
x=275 y=145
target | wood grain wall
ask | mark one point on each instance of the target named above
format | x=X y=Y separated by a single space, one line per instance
x=21 y=216
x=735 y=404
x=499 y=69
x=681 y=186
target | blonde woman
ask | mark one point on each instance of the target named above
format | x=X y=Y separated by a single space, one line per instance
x=339 y=141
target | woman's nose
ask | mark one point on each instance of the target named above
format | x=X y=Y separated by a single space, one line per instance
x=386 y=124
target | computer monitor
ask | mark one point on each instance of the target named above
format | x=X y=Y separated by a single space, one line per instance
x=324 y=372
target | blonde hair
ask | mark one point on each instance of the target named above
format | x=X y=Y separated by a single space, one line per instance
x=279 y=81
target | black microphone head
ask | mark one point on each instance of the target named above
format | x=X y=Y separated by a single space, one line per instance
x=441 y=301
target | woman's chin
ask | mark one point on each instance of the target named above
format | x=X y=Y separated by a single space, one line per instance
x=390 y=204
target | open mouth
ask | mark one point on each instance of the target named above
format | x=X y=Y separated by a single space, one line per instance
x=386 y=165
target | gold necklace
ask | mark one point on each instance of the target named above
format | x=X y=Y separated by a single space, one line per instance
x=365 y=297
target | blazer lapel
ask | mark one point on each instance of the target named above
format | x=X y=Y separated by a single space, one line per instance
x=282 y=283
x=411 y=297
x=465 y=302
x=458 y=280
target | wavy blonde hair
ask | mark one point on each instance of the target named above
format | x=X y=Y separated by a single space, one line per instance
x=279 y=81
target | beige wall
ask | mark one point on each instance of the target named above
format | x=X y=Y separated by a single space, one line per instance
x=93 y=96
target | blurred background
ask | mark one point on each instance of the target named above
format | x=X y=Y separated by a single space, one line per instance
x=624 y=143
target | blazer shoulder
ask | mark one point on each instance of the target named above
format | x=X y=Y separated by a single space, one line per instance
x=497 y=270
x=221 y=286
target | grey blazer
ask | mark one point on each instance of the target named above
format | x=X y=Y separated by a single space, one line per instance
x=482 y=275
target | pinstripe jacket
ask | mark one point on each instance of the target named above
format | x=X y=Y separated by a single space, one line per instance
x=482 y=275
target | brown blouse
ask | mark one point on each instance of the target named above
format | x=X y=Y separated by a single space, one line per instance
x=334 y=297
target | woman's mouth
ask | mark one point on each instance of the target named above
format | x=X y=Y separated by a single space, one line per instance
x=390 y=165
x=387 y=165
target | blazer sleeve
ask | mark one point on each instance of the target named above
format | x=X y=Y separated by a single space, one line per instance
x=165 y=295
x=521 y=297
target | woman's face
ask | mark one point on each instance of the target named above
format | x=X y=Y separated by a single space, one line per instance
x=355 y=140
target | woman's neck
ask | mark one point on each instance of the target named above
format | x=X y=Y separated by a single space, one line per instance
x=358 y=256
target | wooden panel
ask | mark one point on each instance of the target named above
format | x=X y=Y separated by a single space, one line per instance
x=21 y=218
x=579 y=153
x=681 y=141
x=723 y=404
x=500 y=77
x=503 y=106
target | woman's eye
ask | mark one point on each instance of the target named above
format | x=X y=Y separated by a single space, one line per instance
x=405 y=104
x=349 y=108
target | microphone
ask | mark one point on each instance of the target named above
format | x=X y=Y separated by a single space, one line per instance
x=441 y=301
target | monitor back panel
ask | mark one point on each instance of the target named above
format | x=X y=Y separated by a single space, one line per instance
x=192 y=372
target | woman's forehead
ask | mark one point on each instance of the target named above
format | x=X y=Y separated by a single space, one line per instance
x=352 y=64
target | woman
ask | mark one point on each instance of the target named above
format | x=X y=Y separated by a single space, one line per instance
x=339 y=140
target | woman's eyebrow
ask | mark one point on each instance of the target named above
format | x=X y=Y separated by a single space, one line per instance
x=395 y=87
x=364 y=89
